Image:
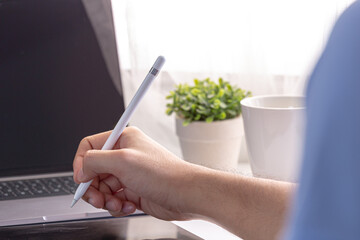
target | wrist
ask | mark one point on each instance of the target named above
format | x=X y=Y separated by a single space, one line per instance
x=207 y=192
x=191 y=189
x=237 y=203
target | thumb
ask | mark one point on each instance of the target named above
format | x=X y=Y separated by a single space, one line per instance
x=96 y=162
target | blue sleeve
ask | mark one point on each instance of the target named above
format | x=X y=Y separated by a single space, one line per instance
x=327 y=204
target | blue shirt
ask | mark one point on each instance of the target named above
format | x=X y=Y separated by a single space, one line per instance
x=327 y=204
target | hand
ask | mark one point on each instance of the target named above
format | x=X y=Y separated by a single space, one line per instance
x=137 y=173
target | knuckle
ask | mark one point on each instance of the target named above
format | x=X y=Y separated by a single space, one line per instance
x=88 y=155
x=132 y=130
x=84 y=141
x=123 y=155
x=128 y=135
x=87 y=142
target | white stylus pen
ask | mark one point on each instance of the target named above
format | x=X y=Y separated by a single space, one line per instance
x=120 y=126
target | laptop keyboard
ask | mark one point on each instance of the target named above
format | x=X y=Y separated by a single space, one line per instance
x=33 y=188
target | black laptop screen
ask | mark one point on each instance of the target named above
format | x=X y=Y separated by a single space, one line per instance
x=56 y=83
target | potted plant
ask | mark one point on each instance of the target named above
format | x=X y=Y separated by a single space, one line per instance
x=208 y=122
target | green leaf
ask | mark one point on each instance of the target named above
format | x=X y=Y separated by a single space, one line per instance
x=223 y=105
x=203 y=112
x=231 y=112
x=221 y=92
x=202 y=99
x=221 y=82
x=169 y=111
x=216 y=104
x=195 y=91
x=185 y=107
x=201 y=107
x=210 y=96
x=186 y=122
x=228 y=86
x=209 y=119
x=196 y=82
x=193 y=106
x=222 y=116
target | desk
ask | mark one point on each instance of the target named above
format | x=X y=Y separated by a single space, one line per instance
x=125 y=228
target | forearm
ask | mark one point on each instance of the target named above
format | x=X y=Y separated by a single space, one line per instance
x=249 y=207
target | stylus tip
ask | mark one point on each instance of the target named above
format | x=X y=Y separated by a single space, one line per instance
x=73 y=203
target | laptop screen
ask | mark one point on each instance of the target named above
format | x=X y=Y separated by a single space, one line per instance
x=59 y=81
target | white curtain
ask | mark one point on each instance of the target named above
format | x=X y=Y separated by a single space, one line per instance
x=266 y=46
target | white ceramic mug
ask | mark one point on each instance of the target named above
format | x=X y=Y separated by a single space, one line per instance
x=274 y=129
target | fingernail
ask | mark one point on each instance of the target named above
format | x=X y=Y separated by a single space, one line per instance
x=80 y=175
x=111 y=206
x=127 y=208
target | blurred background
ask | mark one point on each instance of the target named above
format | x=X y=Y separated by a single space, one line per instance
x=265 y=46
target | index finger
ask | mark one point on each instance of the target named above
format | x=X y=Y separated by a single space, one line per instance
x=88 y=143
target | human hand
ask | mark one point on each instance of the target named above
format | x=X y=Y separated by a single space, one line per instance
x=137 y=173
x=140 y=174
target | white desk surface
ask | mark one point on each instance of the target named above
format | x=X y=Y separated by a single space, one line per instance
x=210 y=231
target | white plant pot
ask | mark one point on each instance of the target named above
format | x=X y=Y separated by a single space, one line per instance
x=214 y=145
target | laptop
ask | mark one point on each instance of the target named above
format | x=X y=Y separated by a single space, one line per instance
x=59 y=82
